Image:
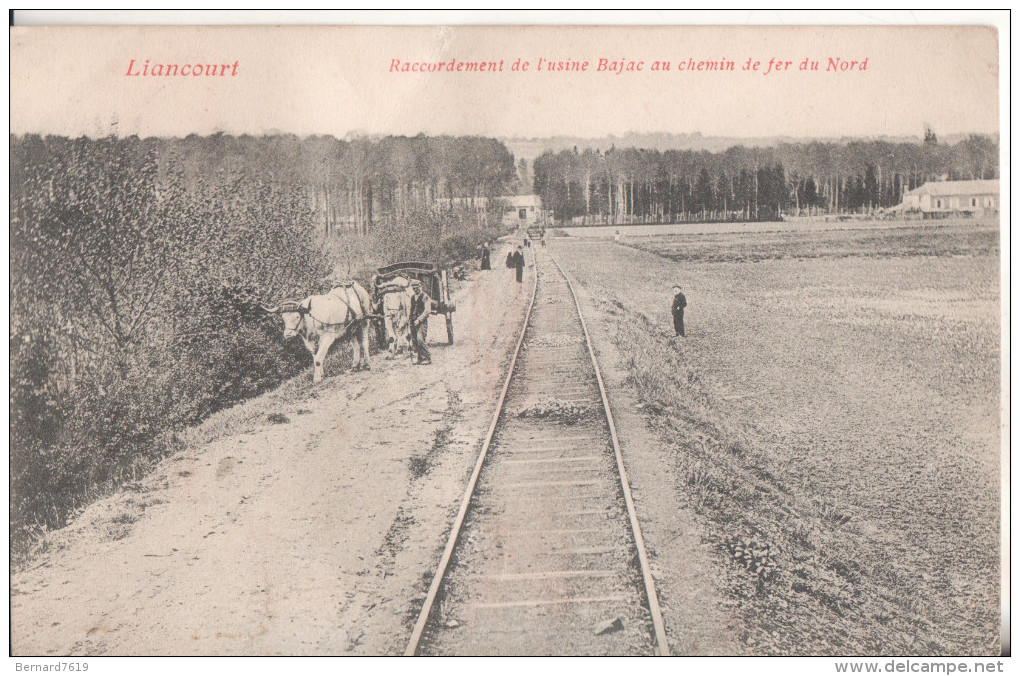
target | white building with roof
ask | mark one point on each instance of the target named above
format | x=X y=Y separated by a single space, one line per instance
x=947 y=198
x=522 y=210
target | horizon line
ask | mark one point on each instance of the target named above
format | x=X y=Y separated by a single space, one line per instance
x=356 y=134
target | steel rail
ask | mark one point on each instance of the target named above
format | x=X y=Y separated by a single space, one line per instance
x=662 y=647
x=458 y=523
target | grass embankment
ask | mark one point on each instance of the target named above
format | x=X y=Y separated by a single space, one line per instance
x=833 y=424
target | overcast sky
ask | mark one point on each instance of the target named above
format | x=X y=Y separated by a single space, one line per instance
x=321 y=80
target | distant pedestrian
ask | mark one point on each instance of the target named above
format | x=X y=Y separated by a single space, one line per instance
x=510 y=259
x=679 y=303
x=518 y=263
x=527 y=242
x=486 y=265
x=421 y=308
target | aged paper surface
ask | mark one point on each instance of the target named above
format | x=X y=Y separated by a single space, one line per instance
x=645 y=340
x=322 y=80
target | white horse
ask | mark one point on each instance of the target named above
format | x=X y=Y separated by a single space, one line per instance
x=395 y=295
x=321 y=320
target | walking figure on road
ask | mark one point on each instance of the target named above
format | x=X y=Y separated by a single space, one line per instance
x=421 y=308
x=517 y=262
x=679 y=303
x=486 y=265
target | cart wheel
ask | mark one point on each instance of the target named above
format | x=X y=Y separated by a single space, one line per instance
x=449 y=328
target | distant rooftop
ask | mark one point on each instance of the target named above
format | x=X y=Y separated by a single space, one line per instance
x=985 y=187
x=523 y=200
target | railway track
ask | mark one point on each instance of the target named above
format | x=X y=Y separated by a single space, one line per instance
x=546 y=549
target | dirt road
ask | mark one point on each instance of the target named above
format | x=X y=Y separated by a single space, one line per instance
x=309 y=524
x=310 y=520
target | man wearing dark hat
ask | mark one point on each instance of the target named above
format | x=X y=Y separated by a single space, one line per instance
x=421 y=308
x=517 y=262
x=679 y=303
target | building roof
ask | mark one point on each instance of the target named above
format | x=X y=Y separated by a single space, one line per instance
x=519 y=201
x=943 y=188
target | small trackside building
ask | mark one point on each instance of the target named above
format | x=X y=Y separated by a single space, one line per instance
x=522 y=210
x=940 y=199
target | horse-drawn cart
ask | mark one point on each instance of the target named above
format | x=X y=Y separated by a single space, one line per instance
x=435 y=281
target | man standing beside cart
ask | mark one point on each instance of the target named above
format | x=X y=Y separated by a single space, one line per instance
x=421 y=308
x=435 y=284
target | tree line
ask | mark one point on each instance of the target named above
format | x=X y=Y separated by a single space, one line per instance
x=633 y=185
x=360 y=183
x=137 y=267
